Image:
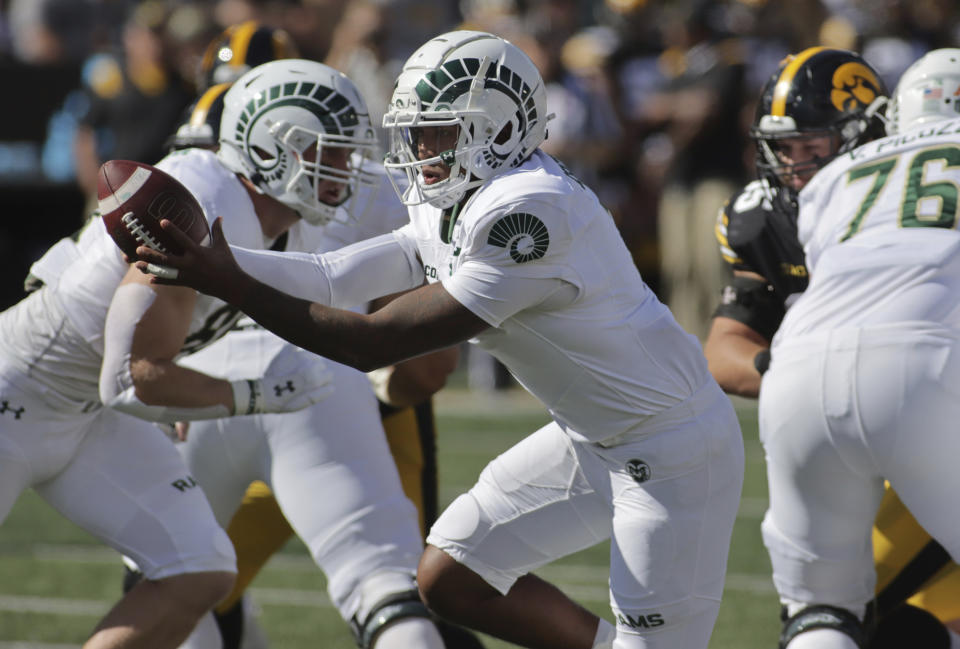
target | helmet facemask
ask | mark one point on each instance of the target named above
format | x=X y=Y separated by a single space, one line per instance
x=321 y=157
x=484 y=86
x=293 y=127
x=775 y=166
x=467 y=164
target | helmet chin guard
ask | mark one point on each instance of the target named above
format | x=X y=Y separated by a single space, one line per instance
x=484 y=85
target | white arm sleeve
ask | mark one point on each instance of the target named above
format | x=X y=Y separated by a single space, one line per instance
x=342 y=278
x=117 y=390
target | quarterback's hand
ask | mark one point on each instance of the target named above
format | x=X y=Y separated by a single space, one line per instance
x=295 y=379
x=208 y=269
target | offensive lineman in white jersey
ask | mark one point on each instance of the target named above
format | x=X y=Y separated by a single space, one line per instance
x=328 y=466
x=113 y=475
x=284 y=115
x=138 y=496
x=861 y=386
x=522 y=259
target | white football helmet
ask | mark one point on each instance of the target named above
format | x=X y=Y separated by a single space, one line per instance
x=278 y=119
x=928 y=91
x=481 y=83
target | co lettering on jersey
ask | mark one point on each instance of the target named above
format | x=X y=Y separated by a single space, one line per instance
x=431 y=271
x=640 y=621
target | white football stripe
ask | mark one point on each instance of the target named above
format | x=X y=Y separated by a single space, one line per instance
x=130 y=187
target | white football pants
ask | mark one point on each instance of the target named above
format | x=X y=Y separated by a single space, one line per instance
x=117 y=477
x=667 y=498
x=329 y=467
x=839 y=413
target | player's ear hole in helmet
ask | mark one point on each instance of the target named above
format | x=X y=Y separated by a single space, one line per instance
x=295 y=128
x=484 y=85
x=820 y=93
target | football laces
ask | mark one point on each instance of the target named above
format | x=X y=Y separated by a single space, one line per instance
x=140 y=232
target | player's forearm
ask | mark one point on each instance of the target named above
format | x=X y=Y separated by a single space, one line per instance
x=297 y=274
x=339 y=335
x=164 y=392
x=418 y=322
x=344 y=278
x=731 y=360
x=164 y=383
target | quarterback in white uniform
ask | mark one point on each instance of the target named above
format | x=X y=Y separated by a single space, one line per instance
x=862 y=383
x=366 y=538
x=521 y=258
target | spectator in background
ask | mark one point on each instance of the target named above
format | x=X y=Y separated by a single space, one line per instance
x=585 y=132
x=635 y=75
x=311 y=23
x=45 y=32
x=358 y=50
x=135 y=97
x=373 y=38
x=698 y=108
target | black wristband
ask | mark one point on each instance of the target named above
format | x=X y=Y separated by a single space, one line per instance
x=762 y=361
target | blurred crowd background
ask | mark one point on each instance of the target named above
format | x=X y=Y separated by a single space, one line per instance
x=652 y=98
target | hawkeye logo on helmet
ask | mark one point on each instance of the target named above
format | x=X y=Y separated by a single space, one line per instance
x=854 y=86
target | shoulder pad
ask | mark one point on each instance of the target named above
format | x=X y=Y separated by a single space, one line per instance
x=743 y=219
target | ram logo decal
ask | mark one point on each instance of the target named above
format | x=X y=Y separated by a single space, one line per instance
x=523 y=235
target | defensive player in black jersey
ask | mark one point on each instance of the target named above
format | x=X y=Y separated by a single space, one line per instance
x=819 y=104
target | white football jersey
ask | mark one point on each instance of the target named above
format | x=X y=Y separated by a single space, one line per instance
x=220 y=193
x=879 y=230
x=56 y=333
x=535 y=255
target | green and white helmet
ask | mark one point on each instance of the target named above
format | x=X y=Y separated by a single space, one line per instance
x=277 y=115
x=485 y=85
x=928 y=91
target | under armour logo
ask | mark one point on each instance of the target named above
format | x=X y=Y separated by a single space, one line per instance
x=639 y=470
x=5 y=407
x=280 y=388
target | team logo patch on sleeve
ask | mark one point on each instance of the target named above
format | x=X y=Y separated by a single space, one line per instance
x=523 y=235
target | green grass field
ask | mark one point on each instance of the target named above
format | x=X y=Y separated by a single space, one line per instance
x=55 y=581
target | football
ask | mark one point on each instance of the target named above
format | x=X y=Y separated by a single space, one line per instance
x=133 y=197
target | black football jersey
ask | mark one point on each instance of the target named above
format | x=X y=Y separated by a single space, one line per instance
x=758 y=235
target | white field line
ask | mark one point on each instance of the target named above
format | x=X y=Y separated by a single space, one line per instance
x=265 y=597
x=580 y=581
